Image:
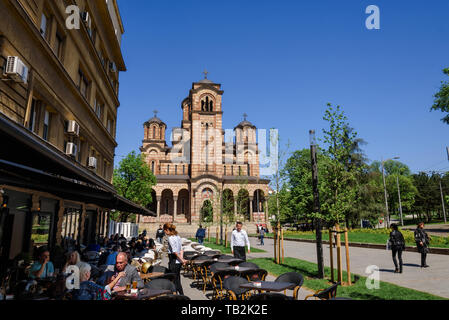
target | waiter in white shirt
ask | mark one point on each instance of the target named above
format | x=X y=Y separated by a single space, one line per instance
x=239 y=239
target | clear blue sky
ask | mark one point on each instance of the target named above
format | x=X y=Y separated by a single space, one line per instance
x=282 y=61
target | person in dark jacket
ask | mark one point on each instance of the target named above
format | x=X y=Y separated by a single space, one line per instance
x=422 y=243
x=200 y=234
x=160 y=234
x=397 y=244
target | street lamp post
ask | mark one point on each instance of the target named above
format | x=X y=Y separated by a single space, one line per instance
x=385 y=191
x=400 y=204
x=316 y=205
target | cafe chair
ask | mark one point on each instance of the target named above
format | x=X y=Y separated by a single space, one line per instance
x=212 y=252
x=325 y=294
x=169 y=276
x=217 y=282
x=161 y=284
x=196 y=269
x=233 y=290
x=158 y=269
x=273 y=296
x=292 y=277
x=173 y=297
x=245 y=264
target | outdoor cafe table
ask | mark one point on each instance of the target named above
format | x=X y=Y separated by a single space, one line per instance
x=240 y=270
x=268 y=286
x=142 y=295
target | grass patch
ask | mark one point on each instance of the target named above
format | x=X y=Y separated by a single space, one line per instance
x=357 y=291
x=375 y=236
x=222 y=248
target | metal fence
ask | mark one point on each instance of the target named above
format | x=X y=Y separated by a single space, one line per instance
x=129 y=230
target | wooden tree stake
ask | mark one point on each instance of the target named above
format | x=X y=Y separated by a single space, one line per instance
x=331 y=251
x=339 y=264
x=347 y=257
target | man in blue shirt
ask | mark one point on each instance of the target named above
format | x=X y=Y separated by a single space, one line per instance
x=113 y=256
x=43 y=268
x=200 y=234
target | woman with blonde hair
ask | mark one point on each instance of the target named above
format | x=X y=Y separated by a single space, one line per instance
x=176 y=254
x=73 y=259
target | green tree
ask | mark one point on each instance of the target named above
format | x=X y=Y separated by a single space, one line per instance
x=298 y=173
x=340 y=180
x=441 y=101
x=133 y=180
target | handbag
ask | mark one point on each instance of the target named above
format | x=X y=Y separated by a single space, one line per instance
x=388 y=246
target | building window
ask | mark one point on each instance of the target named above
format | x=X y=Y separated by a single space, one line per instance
x=182 y=206
x=44 y=26
x=168 y=169
x=105 y=169
x=240 y=171
x=249 y=169
x=83 y=84
x=152 y=167
x=33 y=115
x=46 y=125
x=98 y=109
x=176 y=170
x=154 y=132
x=166 y=206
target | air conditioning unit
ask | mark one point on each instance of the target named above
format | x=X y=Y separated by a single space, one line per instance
x=86 y=19
x=16 y=69
x=73 y=128
x=92 y=163
x=113 y=67
x=70 y=149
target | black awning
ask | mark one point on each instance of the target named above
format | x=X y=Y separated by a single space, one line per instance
x=21 y=146
x=27 y=161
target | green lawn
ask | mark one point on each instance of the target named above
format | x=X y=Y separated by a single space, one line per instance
x=358 y=291
x=375 y=236
x=222 y=248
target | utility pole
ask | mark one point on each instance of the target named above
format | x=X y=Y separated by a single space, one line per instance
x=385 y=191
x=316 y=205
x=386 y=201
x=400 y=204
x=442 y=202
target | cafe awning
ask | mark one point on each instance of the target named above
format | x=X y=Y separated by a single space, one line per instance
x=27 y=161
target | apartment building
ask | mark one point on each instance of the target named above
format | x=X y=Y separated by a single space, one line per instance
x=59 y=88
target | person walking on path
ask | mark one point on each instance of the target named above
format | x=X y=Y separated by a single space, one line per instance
x=160 y=234
x=262 y=234
x=422 y=243
x=397 y=244
x=239 y=238
x=176 y=254
x=200 y=234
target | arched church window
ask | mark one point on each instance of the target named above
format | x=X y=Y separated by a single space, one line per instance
x=249 y=169
x=152 y=166
x=154 y=132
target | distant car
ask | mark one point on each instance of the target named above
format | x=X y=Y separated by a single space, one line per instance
x=304 y=226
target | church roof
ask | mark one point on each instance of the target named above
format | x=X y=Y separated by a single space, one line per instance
x=205 y=81
x=245 y=123
x=155 y=119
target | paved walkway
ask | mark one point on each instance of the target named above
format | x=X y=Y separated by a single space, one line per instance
x=434 y=280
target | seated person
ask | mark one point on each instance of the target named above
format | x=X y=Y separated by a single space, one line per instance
x=121 y=265
x=89 y=290
x=43 y=268
x=151 y=244
x=112 y=257
x=93 y=247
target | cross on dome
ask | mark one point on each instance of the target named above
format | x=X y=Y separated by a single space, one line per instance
x=205 y=72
